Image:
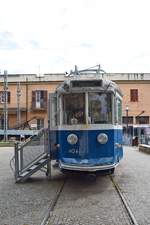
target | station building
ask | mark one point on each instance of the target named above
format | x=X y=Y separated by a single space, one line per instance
x=28 y=101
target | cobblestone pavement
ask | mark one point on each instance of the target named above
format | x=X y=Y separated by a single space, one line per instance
x=98 y=203
x=26 y=203
x=133 y=176
x=89 y=203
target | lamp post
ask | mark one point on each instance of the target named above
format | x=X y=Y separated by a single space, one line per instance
x=5 y=106
x=127 y=110
x=18 y=104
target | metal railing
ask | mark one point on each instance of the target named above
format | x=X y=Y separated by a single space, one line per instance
x=28 y=153
x=141 y=139
x=144 y=139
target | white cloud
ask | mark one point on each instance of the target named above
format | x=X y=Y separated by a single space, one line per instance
x=58 y=34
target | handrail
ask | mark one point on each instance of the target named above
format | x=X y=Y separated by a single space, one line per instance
x=22 y=144
x=29 y=152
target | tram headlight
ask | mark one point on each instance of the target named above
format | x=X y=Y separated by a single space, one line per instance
x=72 y=139
x=102 y=138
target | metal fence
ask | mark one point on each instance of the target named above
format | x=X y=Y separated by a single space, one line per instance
x=26 y=154
x=144 y=139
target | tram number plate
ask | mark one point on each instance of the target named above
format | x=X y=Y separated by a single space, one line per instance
x=73 y=151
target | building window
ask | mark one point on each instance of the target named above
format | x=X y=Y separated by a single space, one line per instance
x=2 y=122
x=142 y=119
x=134 y=95
x=128 y=120
x=40 y=123
x=39 y=99
x=2 y=96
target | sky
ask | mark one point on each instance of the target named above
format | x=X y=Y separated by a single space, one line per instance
x=52 y=36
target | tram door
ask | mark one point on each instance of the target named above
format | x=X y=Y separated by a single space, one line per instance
x=52 y=123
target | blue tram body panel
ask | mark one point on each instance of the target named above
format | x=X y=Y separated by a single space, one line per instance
x=88 y=151
x=118 y=140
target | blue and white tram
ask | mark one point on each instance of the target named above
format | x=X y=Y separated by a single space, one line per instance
x=85 y=125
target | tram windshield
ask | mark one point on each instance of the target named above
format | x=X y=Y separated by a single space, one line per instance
x=74 y=109
x=99 y=108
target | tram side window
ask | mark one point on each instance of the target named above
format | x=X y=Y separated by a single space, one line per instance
x=100 y=108
x=53 y=115
x=119 y=111
x=55 y=121
x=74 y=109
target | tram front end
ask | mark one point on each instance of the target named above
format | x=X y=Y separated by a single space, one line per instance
x=85 y=125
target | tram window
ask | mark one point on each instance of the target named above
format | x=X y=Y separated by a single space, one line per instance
x=119 y=109
x=53 y=115
x=74 y=109
x=100 y=108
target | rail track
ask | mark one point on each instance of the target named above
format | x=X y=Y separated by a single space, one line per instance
x=53 y=203
x=120 y=194
x=123 y=199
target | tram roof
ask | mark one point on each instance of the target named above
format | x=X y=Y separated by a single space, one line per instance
x=79 y=84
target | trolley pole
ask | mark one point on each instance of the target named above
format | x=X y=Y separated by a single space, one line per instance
x=5 y=106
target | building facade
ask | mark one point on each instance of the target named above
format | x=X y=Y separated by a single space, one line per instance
x=28 y=99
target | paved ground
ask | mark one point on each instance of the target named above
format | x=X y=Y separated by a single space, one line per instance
x=96 y=204
x=24 y=203
x=89 y=203
x=133 y=176
x=82 y=201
